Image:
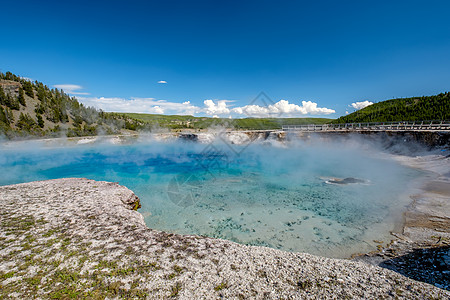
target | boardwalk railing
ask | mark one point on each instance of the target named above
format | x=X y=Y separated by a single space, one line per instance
x=381 y=126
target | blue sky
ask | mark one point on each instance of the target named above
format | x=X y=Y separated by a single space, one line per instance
x=310 y=57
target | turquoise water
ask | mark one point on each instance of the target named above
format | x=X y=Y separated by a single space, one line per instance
x=257 y=195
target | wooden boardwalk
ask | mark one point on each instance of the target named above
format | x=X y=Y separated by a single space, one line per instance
x=381 y=126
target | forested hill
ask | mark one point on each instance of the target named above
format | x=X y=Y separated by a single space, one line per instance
x=404 y=109
x=32 y=108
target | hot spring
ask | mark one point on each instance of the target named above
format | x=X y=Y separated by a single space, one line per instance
x=325 y=198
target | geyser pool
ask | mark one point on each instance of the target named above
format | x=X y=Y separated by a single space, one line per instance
x=256 y=194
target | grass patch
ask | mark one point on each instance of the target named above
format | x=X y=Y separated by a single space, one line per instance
x=221 y=286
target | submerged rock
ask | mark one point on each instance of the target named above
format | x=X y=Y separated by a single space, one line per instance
x=347 y=180
x=344 y=181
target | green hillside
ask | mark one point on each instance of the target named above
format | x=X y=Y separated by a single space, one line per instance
x=184 y=122
x=31 y=108
x=403 y=109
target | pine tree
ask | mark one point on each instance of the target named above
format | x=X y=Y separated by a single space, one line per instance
x=12 y=103
x=40 y=121
x=3 y=118
x=9 y=76
x=26 y=122
x=9 y=115
x=41 y=94
x=21 y=97
x=39 y=109
x=28 y=88
x=2 y=96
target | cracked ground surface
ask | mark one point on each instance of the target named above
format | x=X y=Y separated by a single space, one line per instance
x=79 y=238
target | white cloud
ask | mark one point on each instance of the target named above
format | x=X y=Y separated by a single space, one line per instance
x=158 y=109
x=70 y=88
x=361 y=105
x=162 y=81
x=283 y=109
x=213 y=109
x=27 y=78
x=140 y=105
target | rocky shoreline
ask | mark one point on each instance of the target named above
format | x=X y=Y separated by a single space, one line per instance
x=422 y=249
x=79 y=238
